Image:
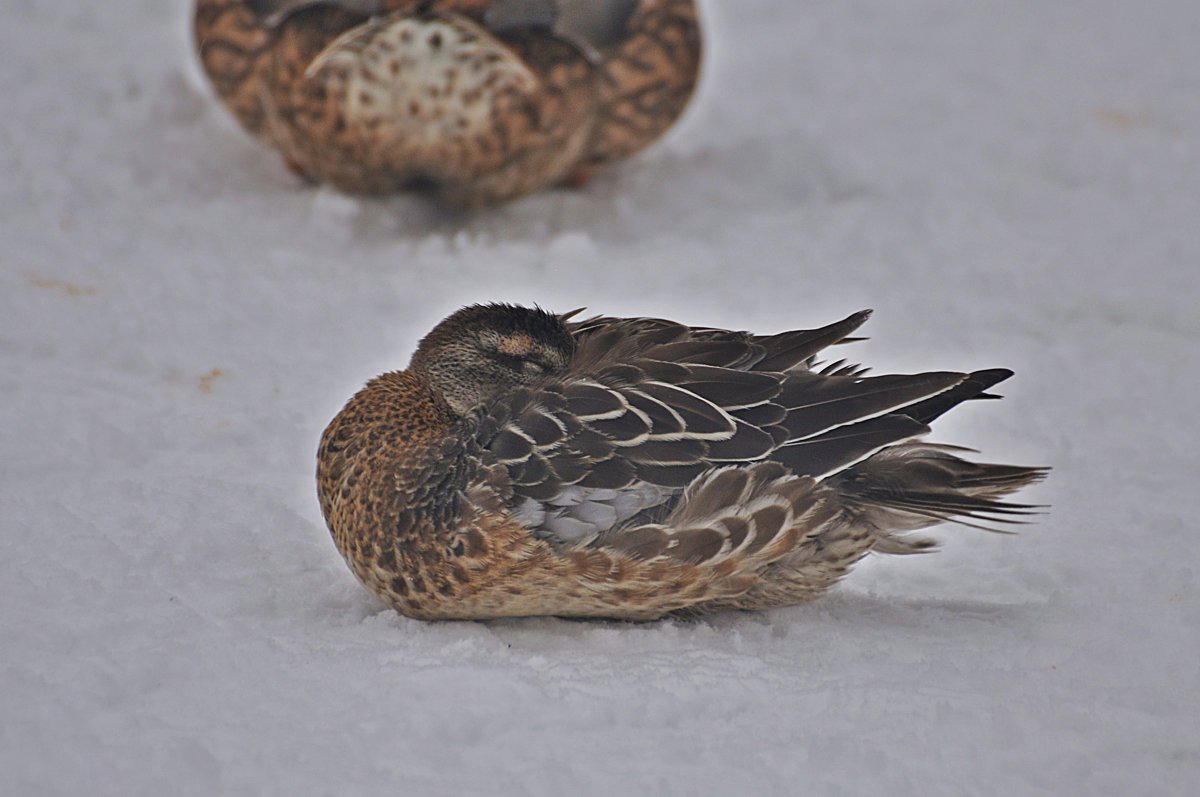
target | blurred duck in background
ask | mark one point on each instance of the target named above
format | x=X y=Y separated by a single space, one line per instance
x=476 y=101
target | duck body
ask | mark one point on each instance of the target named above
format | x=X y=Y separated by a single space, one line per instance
x=631 y=468
x=480 y=101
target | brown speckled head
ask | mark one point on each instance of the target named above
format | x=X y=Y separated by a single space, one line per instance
x=485 y=349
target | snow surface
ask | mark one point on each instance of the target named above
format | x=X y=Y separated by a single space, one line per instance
x=1007 y=183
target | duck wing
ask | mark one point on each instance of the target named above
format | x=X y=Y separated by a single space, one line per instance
x=648 y=405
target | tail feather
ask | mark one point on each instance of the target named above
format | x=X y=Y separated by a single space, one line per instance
x=911 y=486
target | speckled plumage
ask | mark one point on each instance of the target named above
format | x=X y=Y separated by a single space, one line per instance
x=480 y=100
x=525 y=464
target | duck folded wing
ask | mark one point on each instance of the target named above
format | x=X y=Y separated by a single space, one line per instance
x=614 y=440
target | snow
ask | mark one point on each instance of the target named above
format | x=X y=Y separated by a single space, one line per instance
x=1007 y=184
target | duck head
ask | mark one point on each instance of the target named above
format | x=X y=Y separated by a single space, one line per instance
x=483 y=350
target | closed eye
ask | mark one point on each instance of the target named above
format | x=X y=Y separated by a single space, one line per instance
x=517 y=363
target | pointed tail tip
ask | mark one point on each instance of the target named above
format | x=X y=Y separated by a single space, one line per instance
x=981 y=381
x=849 y=324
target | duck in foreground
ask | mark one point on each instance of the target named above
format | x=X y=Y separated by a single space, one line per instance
x=480 y=101
x=529 y=464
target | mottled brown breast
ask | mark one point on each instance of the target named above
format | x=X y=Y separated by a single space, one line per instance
x=378 y=450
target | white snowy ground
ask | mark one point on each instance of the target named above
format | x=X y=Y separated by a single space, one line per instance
x=1007 y=183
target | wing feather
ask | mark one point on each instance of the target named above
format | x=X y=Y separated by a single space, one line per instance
x=818 y=403
x=648 y=407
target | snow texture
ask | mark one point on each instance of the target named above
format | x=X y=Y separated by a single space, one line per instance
x=1007 y=184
